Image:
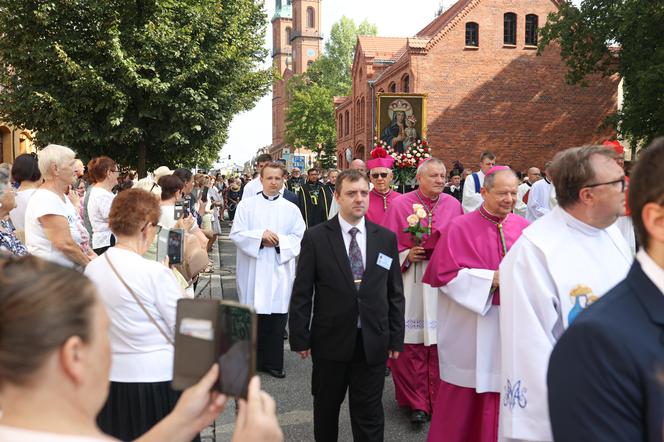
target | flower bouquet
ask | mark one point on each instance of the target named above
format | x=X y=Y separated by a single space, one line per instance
x=406 y=162
x=415 y=227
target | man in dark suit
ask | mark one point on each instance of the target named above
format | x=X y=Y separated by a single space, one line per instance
x=606 y=374
x=358 y=312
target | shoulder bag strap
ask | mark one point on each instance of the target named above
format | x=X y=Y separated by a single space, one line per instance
x=168 y=338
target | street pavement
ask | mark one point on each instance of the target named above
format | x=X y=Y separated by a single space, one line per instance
x=292 y=394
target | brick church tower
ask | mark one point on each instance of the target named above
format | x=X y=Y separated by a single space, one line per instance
x=296 y=42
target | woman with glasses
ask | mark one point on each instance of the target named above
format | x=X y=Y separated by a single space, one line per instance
x=141 y=340
x=51 y=221
x=103 y=173
x=55 y=358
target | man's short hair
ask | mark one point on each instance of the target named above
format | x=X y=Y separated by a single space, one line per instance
x=313 y=169
x=646 y=186
x=275 y=165
x=429 y=162
x=264 y=158
x=350 y=175
x=571 y=170
x=487 y=154
x=184 y=174
x=490 y=180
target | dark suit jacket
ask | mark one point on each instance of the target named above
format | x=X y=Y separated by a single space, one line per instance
x=324 y=267
x=292 y=197
x=606 y=373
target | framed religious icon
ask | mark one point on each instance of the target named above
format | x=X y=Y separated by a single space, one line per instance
x=401 y=119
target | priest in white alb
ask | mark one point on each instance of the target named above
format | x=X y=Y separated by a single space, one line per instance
x=471 y=198
x=267 y=231
x=561 y=264
x=415 y=373
x=465 y=267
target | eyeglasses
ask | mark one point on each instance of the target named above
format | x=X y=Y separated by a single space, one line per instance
x=114 y=170
x=379 y=175
x=620 y=180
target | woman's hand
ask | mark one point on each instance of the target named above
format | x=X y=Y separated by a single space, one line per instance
x=257 y=417
x=198 y=406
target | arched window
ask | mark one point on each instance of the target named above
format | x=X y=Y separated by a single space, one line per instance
x=309 y=63
x=509 y=30
x=362 y=113
x=531 y=30
x=392 y=87
x=311 y=17
x=357 y=114
x=288 y=35
x=340 y=126
x=472 y=34
x=346 y=123
x=405 y=83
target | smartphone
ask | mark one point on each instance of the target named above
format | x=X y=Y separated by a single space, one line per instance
x=209 y=331
x=175 y=246
x=181 y=209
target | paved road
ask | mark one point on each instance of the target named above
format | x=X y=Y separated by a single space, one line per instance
x=293 y=394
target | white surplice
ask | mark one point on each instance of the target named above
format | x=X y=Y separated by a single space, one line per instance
x=472 y=199
x=265 y=277
x=252 y=188
x=421 y=304
x=555 y=270
x=468 y=332
x=541 y=200
x=521 y=207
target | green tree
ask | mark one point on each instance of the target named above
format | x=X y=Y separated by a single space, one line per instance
x=148 y=82
x=310 y=119
x=616 y=36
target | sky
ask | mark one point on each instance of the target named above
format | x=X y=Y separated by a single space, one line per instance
x=252 y=130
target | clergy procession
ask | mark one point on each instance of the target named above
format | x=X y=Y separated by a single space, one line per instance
x=463 y=301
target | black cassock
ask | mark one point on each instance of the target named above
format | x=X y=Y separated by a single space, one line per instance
x=315 y=200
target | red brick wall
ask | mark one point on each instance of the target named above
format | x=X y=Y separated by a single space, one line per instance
x=504 y=99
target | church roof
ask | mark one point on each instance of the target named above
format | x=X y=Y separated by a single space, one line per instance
x=383 y=48
x=443 y=19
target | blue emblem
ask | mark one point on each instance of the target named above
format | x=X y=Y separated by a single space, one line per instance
x=515 y=395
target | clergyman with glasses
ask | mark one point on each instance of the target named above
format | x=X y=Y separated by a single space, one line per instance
x=561 y=264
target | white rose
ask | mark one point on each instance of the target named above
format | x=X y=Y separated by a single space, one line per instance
x=417 y=207
x=421 y=213
x=412 y=220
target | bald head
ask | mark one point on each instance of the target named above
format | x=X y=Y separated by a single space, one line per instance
x=359 y=165
x=534 y=174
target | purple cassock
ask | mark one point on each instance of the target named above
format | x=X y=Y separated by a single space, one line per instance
x=463 y=265
x=415 y=372
x=378 y=204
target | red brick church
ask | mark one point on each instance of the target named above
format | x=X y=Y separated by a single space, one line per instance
x=486 y=87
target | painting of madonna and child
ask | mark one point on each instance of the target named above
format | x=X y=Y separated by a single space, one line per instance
x=401 y=120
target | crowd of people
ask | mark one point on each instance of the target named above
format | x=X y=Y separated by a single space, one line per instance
x=505 y=305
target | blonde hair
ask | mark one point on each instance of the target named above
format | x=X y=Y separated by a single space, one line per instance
x=54 y=154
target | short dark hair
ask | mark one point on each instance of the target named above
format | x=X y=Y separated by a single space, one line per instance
x=487 y=154
x=646 y=186
x=313 y=169
x=26 y=168
x=185 y=175
x=275 y=165
x=571 y=170
x=264 y=158
x=351 y=175
x=169 y=184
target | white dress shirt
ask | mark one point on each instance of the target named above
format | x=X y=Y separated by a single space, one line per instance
x=360 y=236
